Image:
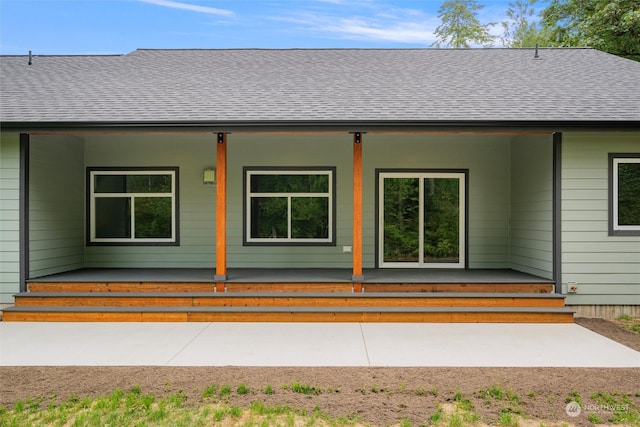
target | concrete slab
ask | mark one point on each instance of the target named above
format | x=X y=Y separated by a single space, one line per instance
x=493 y=345
x=276 y=344
x=309 y=344
x=93 y=344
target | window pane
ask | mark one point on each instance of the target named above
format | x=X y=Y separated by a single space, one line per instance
x=113 y=217
x=309 y=217
x=148 y=183
x=133 y=183
x=153 y=217
x=312 y=183
x=442 y=220
x=269 y=217
x=401 y=219
x=110 y=184
x=629 y=194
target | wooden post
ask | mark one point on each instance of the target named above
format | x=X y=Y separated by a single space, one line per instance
x=221 y=212
x=357 y=212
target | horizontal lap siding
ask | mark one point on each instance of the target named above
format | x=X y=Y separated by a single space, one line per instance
x=487 y=159
x=9 y=217
x=532 y=205
x=290 y=151
x=191 y=154
x=605 y=268
x=56 y=205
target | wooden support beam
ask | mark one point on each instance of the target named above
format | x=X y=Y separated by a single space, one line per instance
x=221 y=212
x=357 y=212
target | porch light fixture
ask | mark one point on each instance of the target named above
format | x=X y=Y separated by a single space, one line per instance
x=209 y=176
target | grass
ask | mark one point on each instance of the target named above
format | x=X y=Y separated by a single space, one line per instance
x=619 y=406
x=307 y=389
x=214 y=406
x=629 y=322
x=133 y=408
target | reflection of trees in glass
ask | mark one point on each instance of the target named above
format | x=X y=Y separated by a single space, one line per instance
x=401 y=217
x=269 y=217
x=153 y=217
x=270 y=183
x=629 y=194
x=309 y=217
x=279 y=200
x=150 y=183
x=441 y=219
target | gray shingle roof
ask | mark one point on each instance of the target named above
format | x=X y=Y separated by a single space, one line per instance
x=249 y=85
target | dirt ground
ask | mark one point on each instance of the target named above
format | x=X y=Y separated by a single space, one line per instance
x=378 y=396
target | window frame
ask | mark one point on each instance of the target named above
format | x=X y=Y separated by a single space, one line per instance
x=91 y=238
x=248 y=171
x=463 y=176
x=616 y=229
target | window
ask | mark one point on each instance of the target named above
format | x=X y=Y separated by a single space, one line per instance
x=289 y=206
x=132 y=206
x=624 y=194
x=422 y=218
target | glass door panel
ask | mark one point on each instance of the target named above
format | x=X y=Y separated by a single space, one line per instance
x=421 y=220
x=441 y=220
x=401 y=219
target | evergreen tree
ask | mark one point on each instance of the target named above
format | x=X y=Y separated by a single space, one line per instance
x=460 y=27
x=519 y=29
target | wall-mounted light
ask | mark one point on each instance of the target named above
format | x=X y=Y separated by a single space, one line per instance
x=209 y=176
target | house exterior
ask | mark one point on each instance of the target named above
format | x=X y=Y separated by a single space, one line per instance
x=356 y=159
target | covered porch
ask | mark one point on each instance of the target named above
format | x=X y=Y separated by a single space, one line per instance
x=493 y=262
x=503 y=210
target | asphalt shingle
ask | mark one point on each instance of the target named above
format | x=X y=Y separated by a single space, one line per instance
x=246 y=85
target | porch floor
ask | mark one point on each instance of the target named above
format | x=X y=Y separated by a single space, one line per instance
x=302 y=275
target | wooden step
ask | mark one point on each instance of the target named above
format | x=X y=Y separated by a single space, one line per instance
x=121 y=286
x=535 y=288
x=280 y=299
x=290 y=314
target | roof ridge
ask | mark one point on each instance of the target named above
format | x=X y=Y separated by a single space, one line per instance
x=361 y=48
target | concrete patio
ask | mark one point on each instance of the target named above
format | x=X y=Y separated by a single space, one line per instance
x=309 y=344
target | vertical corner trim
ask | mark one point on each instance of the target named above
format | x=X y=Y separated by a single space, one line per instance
x=25 y=140
x=557 y=211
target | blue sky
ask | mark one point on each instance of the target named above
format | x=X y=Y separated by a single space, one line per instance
x=121 y=26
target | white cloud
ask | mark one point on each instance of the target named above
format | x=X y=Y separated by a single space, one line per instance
x=191 y=7
x=407 y=26
x=405 y=32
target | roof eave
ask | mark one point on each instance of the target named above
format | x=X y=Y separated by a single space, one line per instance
x=320 y=126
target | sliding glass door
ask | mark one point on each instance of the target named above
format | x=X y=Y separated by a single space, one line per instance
x=422 y=217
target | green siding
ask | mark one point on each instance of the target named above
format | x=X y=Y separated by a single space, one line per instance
x=286 y=151
x=56 y=205
x=605 y=268
x=9 y=217
x=191 y=154
x=532 y=205
x=487 y=157
x=57 y=232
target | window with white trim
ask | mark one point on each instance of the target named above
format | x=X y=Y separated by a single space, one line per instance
x=132 y=206
x=624 y=198
x=289 y=206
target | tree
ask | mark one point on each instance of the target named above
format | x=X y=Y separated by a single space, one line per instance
x=609 y=25
x=519 y=30
x=460 y=27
